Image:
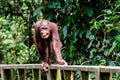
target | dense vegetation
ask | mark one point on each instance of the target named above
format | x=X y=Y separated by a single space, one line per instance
x=89 y=30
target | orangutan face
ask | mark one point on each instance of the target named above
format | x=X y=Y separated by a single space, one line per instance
x=44 y=30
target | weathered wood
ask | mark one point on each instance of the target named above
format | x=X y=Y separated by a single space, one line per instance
x=6 y=74
x=74 y=67
x=21 y=66
x=2 y=73
x=48 y=73
x=72 y=76
x=97 y=74
x=53 y=74
x=67 y=75
x=84 y=75
x=21 y=74
x=97 y=69
x=113 y=69
x=62 y=67
x=36 y=73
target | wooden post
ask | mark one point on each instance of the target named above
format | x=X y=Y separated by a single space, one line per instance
x=84 y=75
x=6 y=74
x=97 y=74
x=21 y=74
x=67 y=75
x=2 y=73
x=105 y=76
x=48 y=74
x=36 y=73
x=53 y=74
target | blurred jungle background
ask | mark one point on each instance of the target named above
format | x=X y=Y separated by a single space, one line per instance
x=89 y=30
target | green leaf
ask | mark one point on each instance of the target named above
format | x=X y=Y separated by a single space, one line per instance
x=107 y=41
x=90 y=12
x=37 y=11
x=64 y=31
x=75 y=35
x=106 y=52
x=24 y=6
x=54 y=4
x=98 y=44
x=91 y=37
x=94 y=26
x=117 y=38
x=90 y=44
x=109 y=11
x=92 y=53
x=113 y=46
x=81 y=33
x=112 y=63
x=88 y=34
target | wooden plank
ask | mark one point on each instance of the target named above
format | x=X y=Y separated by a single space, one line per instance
x=62 y=67
x=74 y=67
x=113 y=69
x=97 y=74
x=21 y=66
x=48 y=73
x=53 y=74
x=2 y=73
x=67 y=75
x=84 y=75
x=6 y=74
x=36 y=73
x=21 y=74
x=72 y=76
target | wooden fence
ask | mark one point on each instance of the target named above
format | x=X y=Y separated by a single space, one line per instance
x=56 y=72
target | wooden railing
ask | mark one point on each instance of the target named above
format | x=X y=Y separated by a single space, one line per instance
x=56 y=72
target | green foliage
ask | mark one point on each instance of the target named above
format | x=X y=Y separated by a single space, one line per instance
x=106 y=29
x=12 y=45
